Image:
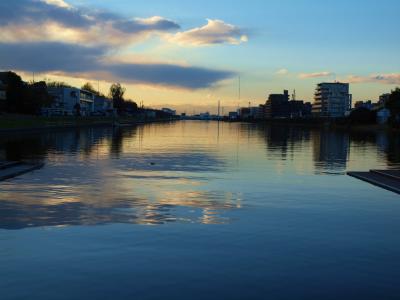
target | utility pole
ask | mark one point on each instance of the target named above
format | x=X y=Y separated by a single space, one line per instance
x=239 y=93
x=240 y=89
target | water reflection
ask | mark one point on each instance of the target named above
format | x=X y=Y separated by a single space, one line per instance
x=192 y=172
x=331 y=151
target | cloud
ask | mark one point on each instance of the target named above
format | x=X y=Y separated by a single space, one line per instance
x=282 y=72
x=391 y=78
x=45 y=57
x=59 y=3
x=31 y=12
x=170 y=75
x=151 y=24
x=316 y=75
x=70 y=59
x=52 y=36
x=215 y=32
x=54 y=20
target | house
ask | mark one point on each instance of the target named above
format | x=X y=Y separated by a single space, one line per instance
x=70 y=101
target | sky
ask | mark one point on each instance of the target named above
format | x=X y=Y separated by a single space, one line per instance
x=190 y=54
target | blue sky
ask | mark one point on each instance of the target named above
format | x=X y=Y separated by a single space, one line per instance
x=272 y=45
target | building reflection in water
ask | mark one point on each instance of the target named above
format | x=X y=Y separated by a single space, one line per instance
x=331 y=151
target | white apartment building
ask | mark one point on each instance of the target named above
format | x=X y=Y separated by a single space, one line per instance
x=67 y=98
x=332 y=100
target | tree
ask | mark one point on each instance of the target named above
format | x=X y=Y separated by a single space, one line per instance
x=393 y=104
x=130 y=106
x=22 y=97
x=36 y=97
x=57 y=84
x=89 y=87
x=15 y=91
x=117 y=93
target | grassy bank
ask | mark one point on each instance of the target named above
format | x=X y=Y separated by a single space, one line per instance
x=22 y=122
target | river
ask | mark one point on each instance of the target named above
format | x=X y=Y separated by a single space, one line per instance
x=199 y=210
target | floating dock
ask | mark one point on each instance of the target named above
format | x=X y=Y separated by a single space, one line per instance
x=12 y=169
x=387 y=179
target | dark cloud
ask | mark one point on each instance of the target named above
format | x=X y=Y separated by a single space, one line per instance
x=134 y=26
x=29 y=11
x=48 y=57
x=170 y=75
x=74 y=59
x=19 y=12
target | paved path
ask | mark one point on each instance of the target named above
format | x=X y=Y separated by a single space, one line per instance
x=10 y=170
x=387 y=179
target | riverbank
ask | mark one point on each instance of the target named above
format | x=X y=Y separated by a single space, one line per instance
x=316 y=123
x=16 y=123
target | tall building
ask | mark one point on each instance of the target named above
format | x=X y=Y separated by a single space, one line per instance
x=280 y=106
x=277 y=105
x=332 y=100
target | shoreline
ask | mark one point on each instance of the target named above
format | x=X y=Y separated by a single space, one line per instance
x=322 y=124
x=23 y=124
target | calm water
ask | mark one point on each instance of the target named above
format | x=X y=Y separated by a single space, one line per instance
x=198 y=210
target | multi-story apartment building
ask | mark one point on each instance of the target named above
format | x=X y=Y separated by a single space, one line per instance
x=332 y=100
x=71 y=101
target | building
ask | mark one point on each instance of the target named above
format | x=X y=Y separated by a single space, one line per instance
x=233 y=115
x=254 y=112
x=299 y=109
x=244 y=112
x=261 y=112
x=103 y=106
x=280 y=106
x=277 y=106
x=361 y=104
x=205 y=116
x=169 y=111
x=332 y=100
x=71 y=101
